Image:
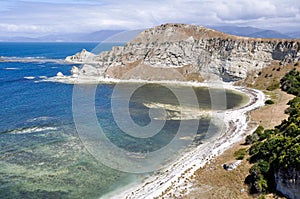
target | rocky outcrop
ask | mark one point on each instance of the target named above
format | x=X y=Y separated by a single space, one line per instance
x=288 y=183
x=82 y=57
x=191 y=51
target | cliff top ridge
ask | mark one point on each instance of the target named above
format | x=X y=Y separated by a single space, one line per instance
x=173 y=32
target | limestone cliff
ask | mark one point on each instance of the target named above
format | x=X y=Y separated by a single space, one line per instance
x=288 y=183
x=190 y=51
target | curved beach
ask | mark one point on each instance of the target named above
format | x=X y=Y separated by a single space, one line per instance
x=176 y=179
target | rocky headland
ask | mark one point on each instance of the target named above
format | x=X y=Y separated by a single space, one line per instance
x=186 y=53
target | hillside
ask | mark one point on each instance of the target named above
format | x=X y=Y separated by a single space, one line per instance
x=275 y=153
x=188 y=53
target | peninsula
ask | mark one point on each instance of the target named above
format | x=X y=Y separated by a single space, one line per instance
x=186 y=53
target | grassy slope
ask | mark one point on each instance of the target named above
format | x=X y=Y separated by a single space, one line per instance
x=213 y=181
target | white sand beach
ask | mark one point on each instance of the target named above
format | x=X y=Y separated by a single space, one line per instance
x=176 y=178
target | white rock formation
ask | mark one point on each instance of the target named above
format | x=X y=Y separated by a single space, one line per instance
x=75 y=71
x=174 y=46
x=82 y=57
x=60 y=74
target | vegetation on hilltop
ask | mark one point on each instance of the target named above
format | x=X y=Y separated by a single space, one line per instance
x=279 y=148
x=269 y=77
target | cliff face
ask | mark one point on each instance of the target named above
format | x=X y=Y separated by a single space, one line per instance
x=191 y=52
x=288 y=183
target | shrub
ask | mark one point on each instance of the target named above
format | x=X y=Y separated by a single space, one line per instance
x=269 y=102
x=250 y=139
x=265 y=134
x=240 y=154
x=262 y=197
x=259 y=73
x=256 y=180
x=291 y=82
x=278 y=148
x=259 y=130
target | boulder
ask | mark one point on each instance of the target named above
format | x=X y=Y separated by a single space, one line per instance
x=60 y=74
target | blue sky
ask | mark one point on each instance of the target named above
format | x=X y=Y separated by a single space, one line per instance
x=42 y=17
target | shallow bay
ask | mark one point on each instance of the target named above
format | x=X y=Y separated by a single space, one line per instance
x=41 y=151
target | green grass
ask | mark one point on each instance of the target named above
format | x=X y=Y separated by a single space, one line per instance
x=240 y=154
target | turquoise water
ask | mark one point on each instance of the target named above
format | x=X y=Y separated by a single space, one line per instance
x=41 y=153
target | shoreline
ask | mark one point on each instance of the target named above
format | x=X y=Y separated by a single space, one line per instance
x=175 y=179
x=92 y=80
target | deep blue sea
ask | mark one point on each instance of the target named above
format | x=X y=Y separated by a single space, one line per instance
x=41 y=153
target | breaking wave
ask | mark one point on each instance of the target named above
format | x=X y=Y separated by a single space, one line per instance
x=42 y=118
x=11 y=69
x=29 y=77
x=30 y=130
x=31 y=59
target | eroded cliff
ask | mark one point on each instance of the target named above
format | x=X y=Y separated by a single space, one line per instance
x=189 y=51
x=288 y=183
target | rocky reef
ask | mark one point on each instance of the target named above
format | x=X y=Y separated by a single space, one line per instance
x=187 y=52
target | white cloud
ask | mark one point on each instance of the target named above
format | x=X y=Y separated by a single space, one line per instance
x=24 y=28
x=246 y=10
x=45 y=16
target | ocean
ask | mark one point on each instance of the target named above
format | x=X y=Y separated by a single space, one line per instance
x=46 y=153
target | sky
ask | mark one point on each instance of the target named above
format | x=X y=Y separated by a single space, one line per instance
x=35 y=18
